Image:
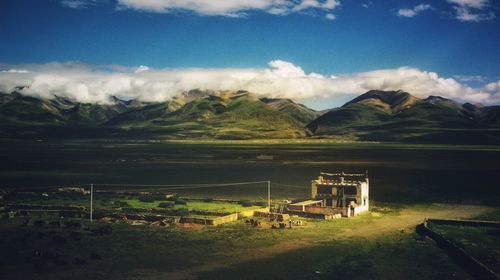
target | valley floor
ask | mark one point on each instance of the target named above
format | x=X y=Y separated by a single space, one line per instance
x=378 y=245
x=407 y=184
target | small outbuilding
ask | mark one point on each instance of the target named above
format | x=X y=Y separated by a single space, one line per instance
x=347 y=192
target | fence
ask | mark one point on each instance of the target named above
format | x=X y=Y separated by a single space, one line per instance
x=467 y=261
x=470 y=223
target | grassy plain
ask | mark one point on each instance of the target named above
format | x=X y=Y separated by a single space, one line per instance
x=407 y=184
x=404 y=173
x=380 y=245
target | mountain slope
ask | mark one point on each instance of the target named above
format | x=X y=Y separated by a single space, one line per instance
x=195 y=113
x=399 y=116
x=298 y=111
x=226 y=115
x=374 y=116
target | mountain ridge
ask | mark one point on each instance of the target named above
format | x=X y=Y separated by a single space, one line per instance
x=399 y=116
x=373 y=116
x=195 y=113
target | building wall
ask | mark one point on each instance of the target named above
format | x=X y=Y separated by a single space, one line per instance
x=362 y=196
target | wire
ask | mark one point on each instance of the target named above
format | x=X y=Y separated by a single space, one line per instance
x=289 y=186
x=163 y=186
x=45 y=187
x=179 y=186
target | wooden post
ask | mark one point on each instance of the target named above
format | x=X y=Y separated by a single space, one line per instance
x=91 y=200
x=269 y=195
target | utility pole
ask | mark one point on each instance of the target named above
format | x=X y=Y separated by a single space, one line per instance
x=269 y=195
x=91 y=200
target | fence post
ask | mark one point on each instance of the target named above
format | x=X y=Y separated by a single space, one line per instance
x=91 y=200
x=269 y=195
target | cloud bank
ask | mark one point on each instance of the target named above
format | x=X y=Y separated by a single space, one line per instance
x=231 y=8
x=281 y=79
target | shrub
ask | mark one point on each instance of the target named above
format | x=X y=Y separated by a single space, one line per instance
x=146 y=198
x=180 y=202
x=245 y=203
x=166 y=204
x=261 y=203
x=151 y=198
x=182 y=212
x=121 y=204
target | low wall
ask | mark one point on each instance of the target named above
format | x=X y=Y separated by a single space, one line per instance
x=43 y=207
x=210 y=213
x=225 y=219
x=213 y=222
x=470 y=223
x=250 y=213
x=282 y=217
x=53 y=213
x=467 y=261
x=204 y=199
x=324 y=210
x=312 y=215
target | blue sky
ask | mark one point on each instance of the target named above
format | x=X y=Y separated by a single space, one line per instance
x=457 y=39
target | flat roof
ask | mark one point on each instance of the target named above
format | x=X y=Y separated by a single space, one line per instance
x=331 y=183
x=307 y=202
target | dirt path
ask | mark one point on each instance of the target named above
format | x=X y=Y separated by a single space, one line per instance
x=406 y=220
x=409 y=218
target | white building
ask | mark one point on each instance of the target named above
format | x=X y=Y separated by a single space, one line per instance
x=346 y=192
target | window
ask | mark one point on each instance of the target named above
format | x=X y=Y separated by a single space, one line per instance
x=324 y=189
x=350 y=190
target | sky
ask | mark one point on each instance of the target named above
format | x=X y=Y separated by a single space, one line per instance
x=319 y=52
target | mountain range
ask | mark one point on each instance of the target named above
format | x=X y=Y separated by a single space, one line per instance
x=374 y=116
x=401 y=117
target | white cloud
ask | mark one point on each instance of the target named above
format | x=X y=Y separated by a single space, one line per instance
x=79 y=4
x=15 y=71
x=471 y=10
x=367 y=4
x=330 y=16
x=230 y=8
x=464 y=14
x=91 y=83
x=476 y=4
x=493 y=86
x=413 y=11
x=470 y=78
x=141 y=68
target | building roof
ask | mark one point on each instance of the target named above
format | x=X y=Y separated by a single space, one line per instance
x=337 y=183
x=306 y=202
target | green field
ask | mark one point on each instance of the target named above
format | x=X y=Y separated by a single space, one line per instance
x=215 y=206
x=378 y=245
x=408 y=183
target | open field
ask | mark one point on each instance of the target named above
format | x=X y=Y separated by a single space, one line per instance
x=398 y=172
x=407 y=184
x=361 y=247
